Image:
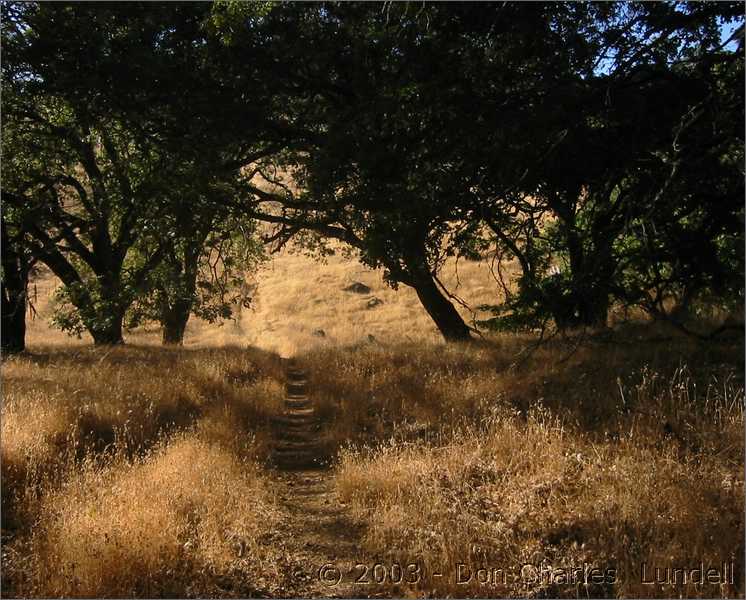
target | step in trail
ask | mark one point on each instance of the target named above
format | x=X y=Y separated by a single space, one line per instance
x=297 y=444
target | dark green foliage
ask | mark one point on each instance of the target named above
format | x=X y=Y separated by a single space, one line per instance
x=599 y=144
x=111 y=160
x=640 y=200
x=203 y=275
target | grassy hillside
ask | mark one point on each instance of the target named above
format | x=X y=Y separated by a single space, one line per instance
x=144 y=471
x=295 y=295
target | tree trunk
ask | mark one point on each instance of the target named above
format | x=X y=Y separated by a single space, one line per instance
x=441 y=310
x=13 y=291
x=175 y=313
x=108 y=315
x=13 y=326
x=175 y=320
x=108 y=333
x=589 y=297
x=594 y=310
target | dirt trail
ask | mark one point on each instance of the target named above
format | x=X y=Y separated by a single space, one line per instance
x=320 y=542
x=297 y=431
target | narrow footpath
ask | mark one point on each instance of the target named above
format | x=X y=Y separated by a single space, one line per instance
x=321 y=544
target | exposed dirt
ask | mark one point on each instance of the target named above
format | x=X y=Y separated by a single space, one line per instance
x=320 y=542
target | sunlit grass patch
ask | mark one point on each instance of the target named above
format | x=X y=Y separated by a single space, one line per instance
x=78 y=419
x=165 y=524
x=662 y=484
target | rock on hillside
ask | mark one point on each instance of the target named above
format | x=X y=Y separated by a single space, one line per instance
x=357 y=288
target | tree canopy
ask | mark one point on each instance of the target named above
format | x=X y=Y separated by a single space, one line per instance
x=599 y=144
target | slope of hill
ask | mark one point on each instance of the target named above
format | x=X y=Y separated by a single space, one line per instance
x=300 y=303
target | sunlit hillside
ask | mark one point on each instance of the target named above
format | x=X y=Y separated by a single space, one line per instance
x=300 y=303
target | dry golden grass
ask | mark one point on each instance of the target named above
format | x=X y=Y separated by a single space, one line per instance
x=295 y=296
x=81 y=420
x=166 y=524
x=655 y=475
x=412 y=389
x=371 y=390
x=91 y=399
x=138 y=471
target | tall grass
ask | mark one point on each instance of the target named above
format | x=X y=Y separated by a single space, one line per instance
x=140 y=471
x=610 y=457
x=135 y=470
x=165 y=524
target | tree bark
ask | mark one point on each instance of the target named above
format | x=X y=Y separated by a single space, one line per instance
x=13 y=326
x=13 y=291
x=590 y=280
x=108 y=333
x=108 y=316
x=174 y=321
x=441 y=310
x=175 y=314
x=587 y=300
x=103 y=320
x=13 y=321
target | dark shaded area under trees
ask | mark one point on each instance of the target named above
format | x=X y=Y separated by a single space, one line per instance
x=601 y=145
